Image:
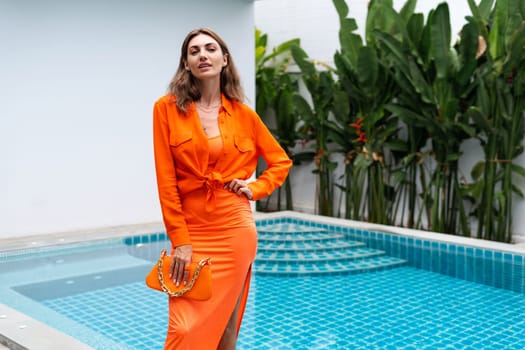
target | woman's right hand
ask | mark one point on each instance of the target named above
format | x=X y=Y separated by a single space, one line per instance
x=181 y=259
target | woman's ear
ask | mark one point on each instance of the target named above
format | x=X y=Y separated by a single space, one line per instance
x=225 y=60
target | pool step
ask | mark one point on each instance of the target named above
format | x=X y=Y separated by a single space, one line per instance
x=300 y=236
x=292 y=249
x=290 y=244
x=314 y=256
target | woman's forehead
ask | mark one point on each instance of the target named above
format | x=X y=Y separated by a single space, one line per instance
x=202 y=40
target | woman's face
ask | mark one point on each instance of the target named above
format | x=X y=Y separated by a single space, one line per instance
x=205 y=58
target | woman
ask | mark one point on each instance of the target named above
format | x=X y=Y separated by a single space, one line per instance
x=207 y=143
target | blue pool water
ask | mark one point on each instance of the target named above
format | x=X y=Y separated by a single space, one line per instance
x=406 y=305
x=404 y=308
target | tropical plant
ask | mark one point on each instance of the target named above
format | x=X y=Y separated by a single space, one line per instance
x=499 y=113
x=400 y=104
x=315 y=117
x=275 y=91
x=435 y=91
x=366 y=86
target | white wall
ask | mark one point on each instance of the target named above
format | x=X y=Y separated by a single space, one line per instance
x=78 y=80
x=316 y=23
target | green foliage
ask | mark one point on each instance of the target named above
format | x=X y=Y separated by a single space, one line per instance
x=498 y=113
x=316 y=124
x=275 y=93
x=362 y=127
x=397 y=108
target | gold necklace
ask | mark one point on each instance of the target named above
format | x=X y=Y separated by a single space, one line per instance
x=208 y=108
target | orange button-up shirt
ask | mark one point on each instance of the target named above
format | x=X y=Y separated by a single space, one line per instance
x=181 y=157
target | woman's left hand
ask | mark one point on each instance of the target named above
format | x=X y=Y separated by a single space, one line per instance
x=240 y=187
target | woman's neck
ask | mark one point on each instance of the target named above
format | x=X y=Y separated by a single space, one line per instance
x=210 y=93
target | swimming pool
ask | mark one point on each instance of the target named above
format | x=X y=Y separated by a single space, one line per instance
x=428 y=292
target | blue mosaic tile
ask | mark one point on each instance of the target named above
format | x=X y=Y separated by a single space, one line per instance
x=288 y=249
x=430 y=304
x=302 y=236
x=434 y=312
x=130 y=314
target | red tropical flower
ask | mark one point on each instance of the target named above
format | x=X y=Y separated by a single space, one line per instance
x=362 y=137
x=358 y=125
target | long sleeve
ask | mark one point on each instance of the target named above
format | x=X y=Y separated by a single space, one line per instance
x=277 y=161
x=173 y=217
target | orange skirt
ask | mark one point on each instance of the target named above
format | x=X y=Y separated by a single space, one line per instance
x=228 y=236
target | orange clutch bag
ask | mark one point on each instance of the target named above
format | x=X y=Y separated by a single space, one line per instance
x=197 y=288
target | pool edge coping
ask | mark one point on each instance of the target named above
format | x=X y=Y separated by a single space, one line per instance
x=15 y=326
x=123 y=231
x=78 y=236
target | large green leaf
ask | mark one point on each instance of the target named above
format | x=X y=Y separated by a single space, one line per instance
x=285 y=113
x=415 y=27
x=409 y=158
x=467 y=129
x=382 y=16
x=419 y=83
x=394 y=50
x=516 y=46
x=284 y=47
x=348 y=40
x=518 y=169
x=516 y=190
x=498 y=30
x=468 y=46
x=483 y=11
x=367 y=66
x=479 y=119
x=303 y=108
x=397 y=145
x=485 y=7
x=425 y=44
x=484 y=100
x=408 y=116
x=341 y=8
x=440 y=47
x=309 y=73
x=260 y=46
x=408 y=10
x=341 y=106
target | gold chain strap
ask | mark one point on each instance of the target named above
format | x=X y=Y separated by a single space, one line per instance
x=180 y=292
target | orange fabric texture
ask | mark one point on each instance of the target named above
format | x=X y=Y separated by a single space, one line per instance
x=197 y=210
x=231 y=242
x=182 y=152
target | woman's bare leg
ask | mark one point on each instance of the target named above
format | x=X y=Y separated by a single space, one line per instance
x=229 y=337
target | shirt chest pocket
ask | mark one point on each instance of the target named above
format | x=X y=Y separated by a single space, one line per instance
x=182 y=147
x=244 y=144
x=180 y=138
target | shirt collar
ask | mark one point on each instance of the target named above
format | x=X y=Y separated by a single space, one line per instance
x=227 y=104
